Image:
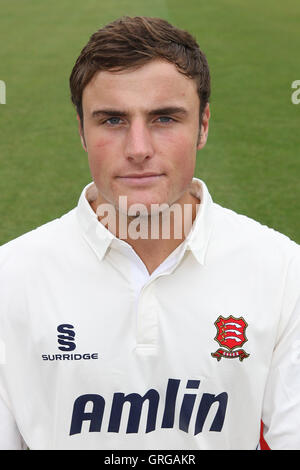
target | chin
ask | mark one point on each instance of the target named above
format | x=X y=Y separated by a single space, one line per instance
x=145 y=205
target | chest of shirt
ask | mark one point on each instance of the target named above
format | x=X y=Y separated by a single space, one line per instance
x=101 y=317
x=93 y=340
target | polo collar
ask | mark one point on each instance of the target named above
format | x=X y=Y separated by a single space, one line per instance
x=96 y=235
x=100 y=239
x=199 y=236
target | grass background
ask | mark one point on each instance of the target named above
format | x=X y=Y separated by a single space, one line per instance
x=251 y=161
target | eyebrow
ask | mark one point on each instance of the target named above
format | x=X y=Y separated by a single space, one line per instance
x=154 y=112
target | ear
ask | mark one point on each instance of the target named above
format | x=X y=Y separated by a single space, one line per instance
x=203 y=133
x=81 y=133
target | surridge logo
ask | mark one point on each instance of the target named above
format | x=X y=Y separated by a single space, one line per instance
x=66 y=338
x=66 y=341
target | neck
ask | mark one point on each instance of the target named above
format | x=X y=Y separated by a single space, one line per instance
x=154 y=237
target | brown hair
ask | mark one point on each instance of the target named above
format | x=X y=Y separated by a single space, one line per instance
x=132 y=42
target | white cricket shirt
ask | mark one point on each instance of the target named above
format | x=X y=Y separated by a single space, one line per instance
x=97 y=354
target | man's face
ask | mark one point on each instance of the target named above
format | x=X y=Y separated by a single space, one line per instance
x=141 y=132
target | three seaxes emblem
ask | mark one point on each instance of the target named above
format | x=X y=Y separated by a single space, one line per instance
x=230 y=335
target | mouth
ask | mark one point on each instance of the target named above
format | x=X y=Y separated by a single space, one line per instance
x=141 y=179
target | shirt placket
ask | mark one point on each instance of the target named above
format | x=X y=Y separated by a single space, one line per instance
x=147 y=319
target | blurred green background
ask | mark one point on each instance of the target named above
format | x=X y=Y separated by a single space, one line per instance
x=251 y=161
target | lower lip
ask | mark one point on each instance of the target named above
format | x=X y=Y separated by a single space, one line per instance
x=141 y=181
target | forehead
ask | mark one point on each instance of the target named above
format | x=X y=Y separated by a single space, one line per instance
x=153 y=84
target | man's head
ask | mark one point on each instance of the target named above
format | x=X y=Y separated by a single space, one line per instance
x=141 y=88
x=131 y=42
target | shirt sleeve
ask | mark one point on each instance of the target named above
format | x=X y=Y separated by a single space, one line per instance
x=10 y=438
x=281 y=404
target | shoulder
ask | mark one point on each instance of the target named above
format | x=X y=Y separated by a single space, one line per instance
x=252 y=237
x=33 y=264
x=20 y=253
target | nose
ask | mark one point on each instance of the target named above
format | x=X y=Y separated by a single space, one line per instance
x=138 y=144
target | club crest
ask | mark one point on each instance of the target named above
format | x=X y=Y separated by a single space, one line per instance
x=231 y=336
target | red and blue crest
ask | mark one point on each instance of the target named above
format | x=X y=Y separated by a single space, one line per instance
x=231 y=335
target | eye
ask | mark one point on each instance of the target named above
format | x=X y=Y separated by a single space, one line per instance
x=113 y=121
x=165 y=119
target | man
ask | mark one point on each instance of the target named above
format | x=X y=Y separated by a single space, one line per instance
x=149 y=317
